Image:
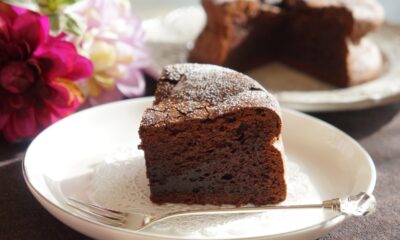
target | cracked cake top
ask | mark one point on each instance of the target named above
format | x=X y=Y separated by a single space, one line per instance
x=200 y=91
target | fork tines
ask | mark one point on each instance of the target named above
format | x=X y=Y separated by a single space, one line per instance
x=100 y=214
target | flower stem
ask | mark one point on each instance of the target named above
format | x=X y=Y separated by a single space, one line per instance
x=54 y=22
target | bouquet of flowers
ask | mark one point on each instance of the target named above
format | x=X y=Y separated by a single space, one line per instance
x=62 y=55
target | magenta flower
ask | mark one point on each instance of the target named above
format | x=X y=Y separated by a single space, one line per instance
x=36 y=74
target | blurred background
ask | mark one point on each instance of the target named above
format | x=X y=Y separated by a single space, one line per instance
x=152 y=8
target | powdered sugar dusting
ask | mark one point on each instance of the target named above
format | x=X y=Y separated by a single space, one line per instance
x=205 y=83
x=204 y=91
x=365 y=60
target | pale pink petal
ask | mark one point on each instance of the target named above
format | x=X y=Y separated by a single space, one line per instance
x=139 y=55
x=106 y=96
x=134 y=85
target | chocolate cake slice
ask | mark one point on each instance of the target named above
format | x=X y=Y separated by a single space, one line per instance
x=313 y=36
x=212 y=136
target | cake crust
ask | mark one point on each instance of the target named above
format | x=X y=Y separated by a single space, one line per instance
x=203 y=91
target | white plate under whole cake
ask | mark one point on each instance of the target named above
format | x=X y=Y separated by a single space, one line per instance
x=93 y=156
x=170 y=37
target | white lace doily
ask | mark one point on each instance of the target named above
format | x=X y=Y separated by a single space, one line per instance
x=119 y=182
x=170 y=37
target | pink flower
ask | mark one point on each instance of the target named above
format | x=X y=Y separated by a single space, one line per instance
x=114 y=42
x=36 y=74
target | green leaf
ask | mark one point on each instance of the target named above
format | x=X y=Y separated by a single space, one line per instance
x=68 y=2
x=54 y=6
x=71 y=25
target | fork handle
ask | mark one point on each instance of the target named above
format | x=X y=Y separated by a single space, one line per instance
x=333 y=204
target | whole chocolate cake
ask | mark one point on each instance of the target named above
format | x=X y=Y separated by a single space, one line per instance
x=324 y=38
x=212 y=136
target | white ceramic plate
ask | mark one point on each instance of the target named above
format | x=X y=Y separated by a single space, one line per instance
x=92 y=155
x=170 y=37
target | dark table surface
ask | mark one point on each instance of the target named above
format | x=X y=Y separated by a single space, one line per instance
x=378 y=130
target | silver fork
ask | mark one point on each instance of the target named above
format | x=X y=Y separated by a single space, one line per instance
x=361 y=204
